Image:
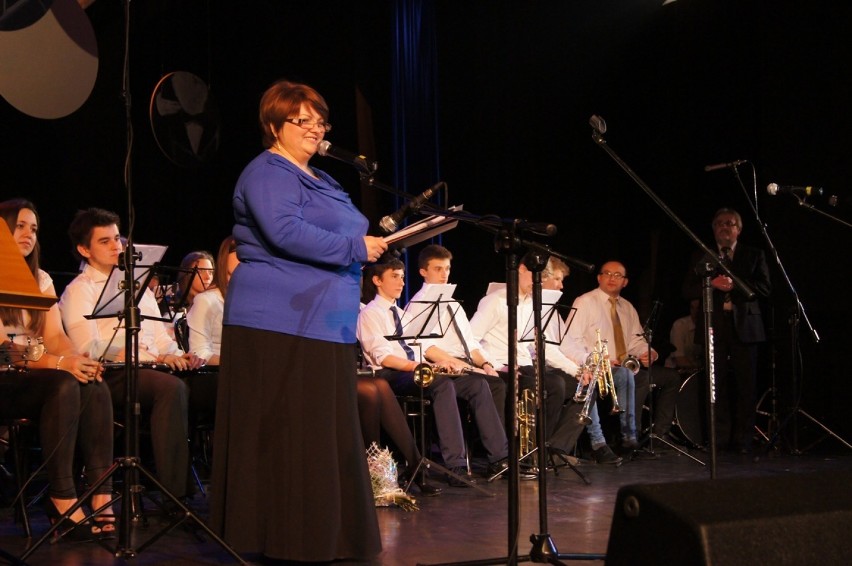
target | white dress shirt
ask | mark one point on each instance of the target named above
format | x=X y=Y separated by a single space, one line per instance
x=95 y=336
x=491 y=322
x=375 y=321
x=205 y=323
x=593 y=312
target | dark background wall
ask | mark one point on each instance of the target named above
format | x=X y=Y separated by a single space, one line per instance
x=680 y=86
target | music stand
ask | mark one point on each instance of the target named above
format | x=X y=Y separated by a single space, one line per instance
x=130 y=464
x=421 y=315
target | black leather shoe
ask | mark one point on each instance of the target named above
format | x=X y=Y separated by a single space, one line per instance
x=605 y=455
x=497 y=467
x=461 y=471
x=426 y=490
x=502 y=467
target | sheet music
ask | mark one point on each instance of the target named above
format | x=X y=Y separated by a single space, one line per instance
x=425 y=314
x=110 y=303
x=422 y=230
x=549 y=298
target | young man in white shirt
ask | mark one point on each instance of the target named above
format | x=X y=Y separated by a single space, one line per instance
x=562 y=425
x=163 y=397
x=434 y=264
x=396 y=361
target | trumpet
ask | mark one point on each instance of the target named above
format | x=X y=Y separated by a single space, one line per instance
x=526 y=422
x=606 y=384
x=597 y=363
x=591 y=365
x=632 y=363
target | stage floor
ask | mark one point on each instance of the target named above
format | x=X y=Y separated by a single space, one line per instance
x=463 y=525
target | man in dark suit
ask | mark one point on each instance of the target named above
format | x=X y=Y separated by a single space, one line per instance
x=737 y=329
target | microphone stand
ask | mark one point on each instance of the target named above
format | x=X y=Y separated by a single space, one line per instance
x=774 y=430
x=712 y=264
x=812 y=208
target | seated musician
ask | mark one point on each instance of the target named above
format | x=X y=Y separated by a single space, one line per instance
x=396 y=361
x=605 y=312
x=56 y=386
x=551 y=278
x=163 y=397
x=434 y=262
x=687 y=354
x=196 y=276
x=490 y=322
x=204 y=328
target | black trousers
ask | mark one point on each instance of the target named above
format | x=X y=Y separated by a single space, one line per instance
x=163 y=399
x=666 y=385
x=68 y=414
x=736 y=381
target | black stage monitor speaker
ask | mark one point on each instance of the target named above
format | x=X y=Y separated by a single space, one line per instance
x=795 y=519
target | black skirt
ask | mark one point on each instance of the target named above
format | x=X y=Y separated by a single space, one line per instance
x=290 y=476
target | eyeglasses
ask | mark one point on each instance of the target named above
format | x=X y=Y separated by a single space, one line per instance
x=612 y=275
x=728 y=223
x=308 y=124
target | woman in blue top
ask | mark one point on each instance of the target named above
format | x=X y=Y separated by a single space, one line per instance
x=290 y=469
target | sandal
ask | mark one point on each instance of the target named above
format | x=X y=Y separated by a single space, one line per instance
x=105 y=522
x=84 y=531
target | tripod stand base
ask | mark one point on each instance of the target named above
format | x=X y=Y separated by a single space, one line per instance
x=649 y=451
x=426 y=464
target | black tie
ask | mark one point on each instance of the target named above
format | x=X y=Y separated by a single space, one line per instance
x=409 y=353
x=726 y=260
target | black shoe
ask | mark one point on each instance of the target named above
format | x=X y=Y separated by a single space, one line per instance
x=426 y=490
x=498 y=467
x=85 y=531
x=501 y=467
x=605 y=455
x=461 y=471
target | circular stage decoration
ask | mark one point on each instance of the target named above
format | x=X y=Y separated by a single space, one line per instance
x=185 y=119
x=48 y=57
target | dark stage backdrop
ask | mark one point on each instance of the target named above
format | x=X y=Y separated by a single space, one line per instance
x=681 y=86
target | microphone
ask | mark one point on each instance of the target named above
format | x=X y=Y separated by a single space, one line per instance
x=717 y=166
x=774 y=189
x=390 y=223
x=597 y=123
x=360 y=162
x=539 y=228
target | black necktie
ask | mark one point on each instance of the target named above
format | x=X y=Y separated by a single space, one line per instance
x=726 y=260
x=409 y=353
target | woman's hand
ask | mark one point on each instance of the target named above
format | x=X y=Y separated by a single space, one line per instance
x=375 y=247
x=82 y=367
